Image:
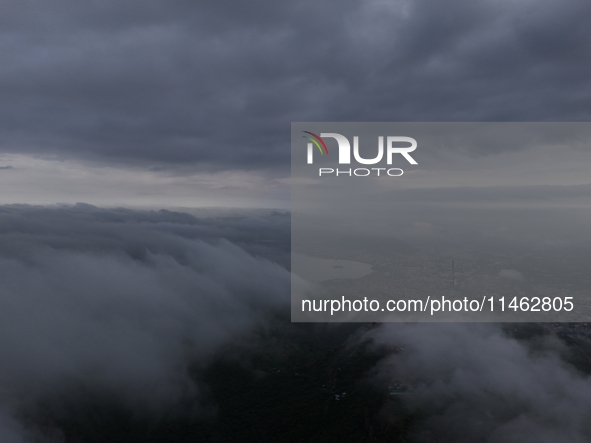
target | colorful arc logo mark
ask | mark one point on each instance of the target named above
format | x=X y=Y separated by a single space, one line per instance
x=316 y=139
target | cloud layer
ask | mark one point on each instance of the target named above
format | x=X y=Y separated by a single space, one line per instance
x=474 y=383
x=214 y=83
x=125 y=306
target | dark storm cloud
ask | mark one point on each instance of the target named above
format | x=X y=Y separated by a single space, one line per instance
x=126 y=305
x=218 y=82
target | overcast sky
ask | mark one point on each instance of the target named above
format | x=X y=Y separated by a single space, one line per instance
x=188 y=104
x=183 y=103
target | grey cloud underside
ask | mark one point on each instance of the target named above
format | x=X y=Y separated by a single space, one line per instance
x=125 y=305
x=217 y=83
